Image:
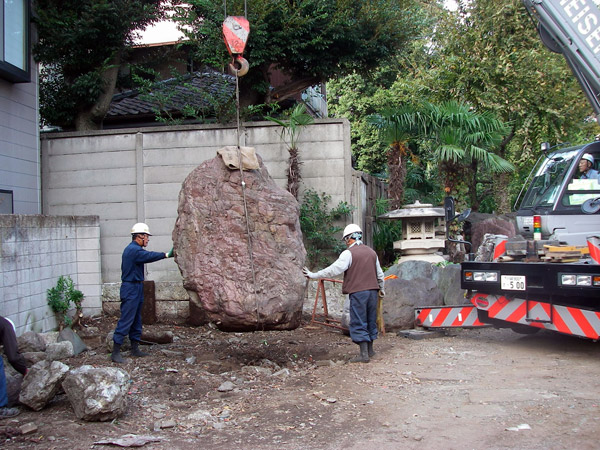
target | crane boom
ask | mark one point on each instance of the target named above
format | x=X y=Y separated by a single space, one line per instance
x=572 y=28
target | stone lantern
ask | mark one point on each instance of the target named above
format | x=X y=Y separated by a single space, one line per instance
x=423 y=232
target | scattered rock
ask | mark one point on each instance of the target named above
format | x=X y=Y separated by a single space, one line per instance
x=32 y=358
x=41 y=383
x=59 y=350
x=256 y=370
x=282 y=373
x=200 y=416
x=97 y=394
x=227 y=386
x=51 y=337
x=29 y=427
x=157 y=336
x=31 y=342
x=169 y=423
x=324 y=363
x=69 y=335
x=129 y=440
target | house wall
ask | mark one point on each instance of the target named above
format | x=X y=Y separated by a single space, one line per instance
x=35 y=251
x=135 y=175
x=19 y=146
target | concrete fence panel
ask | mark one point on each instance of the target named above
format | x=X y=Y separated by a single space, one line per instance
x=36 y=250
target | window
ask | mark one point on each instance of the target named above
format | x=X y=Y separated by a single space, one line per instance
x=14 y=40
x=579 y=190
x=6 y=202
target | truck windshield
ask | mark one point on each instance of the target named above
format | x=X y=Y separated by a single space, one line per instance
x=548 y=179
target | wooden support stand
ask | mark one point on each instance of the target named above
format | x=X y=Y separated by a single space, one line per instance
x=323 y=318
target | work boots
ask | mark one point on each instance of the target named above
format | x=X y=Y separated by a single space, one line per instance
x=6 y=412
x=370 y=349
x=116 y=354
x=135 y=349
x=364 y=353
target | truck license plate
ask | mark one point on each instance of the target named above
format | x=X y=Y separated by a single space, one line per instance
x=513 y=282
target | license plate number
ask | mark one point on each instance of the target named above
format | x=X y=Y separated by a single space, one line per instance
x=513 y=282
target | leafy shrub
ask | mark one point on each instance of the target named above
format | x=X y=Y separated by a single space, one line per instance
x=60 y=298
x=318 y=228
x=385 y=233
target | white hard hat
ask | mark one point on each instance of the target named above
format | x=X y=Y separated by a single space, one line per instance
x=140 y=228
x=588 y=157
x=352 y=228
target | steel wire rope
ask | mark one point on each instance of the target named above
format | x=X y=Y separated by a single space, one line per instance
x=245 y=8
x=243 y=184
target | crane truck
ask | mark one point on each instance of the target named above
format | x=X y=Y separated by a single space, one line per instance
x=545 y=278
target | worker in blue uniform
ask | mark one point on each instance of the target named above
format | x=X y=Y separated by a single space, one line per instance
x=363 y=281
x=132 y=290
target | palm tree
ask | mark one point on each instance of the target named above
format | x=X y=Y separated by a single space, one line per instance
x=397 y=127
x=298 y=118
x=462 y=142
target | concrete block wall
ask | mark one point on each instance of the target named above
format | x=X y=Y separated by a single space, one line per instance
x=35 y=251
x=135 y=175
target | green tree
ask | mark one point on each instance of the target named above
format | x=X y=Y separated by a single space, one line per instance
x=81 y=45
x=488 y=54
x=319 y=228
x=298 y=118
x=60 y=299
x=310 y=41
x=397 y=126
x=463 y=142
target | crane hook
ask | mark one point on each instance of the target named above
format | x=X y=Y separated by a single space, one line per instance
x=235 y=34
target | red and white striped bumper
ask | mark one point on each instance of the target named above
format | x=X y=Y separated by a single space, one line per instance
x=464 y=316
x=564 y=319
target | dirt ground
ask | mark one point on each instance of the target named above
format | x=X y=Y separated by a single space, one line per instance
x=473 y=389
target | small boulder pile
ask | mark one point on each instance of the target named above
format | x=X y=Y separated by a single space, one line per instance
x=95 y=393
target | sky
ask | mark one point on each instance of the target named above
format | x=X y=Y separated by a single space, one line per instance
x=159 y=33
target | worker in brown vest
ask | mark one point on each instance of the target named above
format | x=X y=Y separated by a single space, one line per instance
x=363 y=280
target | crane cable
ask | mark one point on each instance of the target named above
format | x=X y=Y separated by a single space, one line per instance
x=245 y=8
x=243 y=183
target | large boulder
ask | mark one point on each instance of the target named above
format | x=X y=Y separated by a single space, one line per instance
x=240 y=282
x=449 y=285
x=479 y=224
x=97 y=394
x=402 y=296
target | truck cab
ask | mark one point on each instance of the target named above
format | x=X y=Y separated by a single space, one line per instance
x=556 y=194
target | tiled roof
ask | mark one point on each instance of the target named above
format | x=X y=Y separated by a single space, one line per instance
x=200 y=90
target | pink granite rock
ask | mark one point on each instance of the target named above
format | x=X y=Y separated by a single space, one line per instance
x=213 y=252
